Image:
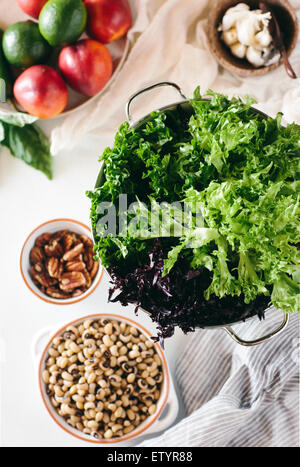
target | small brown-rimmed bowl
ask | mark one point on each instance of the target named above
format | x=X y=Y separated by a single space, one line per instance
x=167 y=406
x=288 y=23
x=54 y=226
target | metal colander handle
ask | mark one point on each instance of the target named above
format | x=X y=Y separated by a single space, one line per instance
x=260 y=340
x=149 y=88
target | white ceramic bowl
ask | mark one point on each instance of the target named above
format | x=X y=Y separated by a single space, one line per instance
x=51 y=227
x=167 y=407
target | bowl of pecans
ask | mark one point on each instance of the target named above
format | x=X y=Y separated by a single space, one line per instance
x=57 y=262
x=103 y=380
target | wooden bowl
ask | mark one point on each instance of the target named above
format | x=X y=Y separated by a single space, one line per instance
x=286 y=17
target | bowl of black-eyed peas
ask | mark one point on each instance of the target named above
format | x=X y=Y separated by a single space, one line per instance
x=103 y=380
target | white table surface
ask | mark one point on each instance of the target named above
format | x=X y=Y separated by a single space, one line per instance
x=28 y=199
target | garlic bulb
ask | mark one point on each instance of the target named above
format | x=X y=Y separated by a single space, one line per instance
x=239 y=50
x=230 y=37
x=247 y=34
x=262 y=39
x=233 y=14
x=255 y=57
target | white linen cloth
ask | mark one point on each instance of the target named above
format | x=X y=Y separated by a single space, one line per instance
x=168 y=42
x=238 y=396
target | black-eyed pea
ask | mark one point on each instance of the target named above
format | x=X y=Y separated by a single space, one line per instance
x=87 y=323
x=116 y=427
x=107 y=341
x=58 y=391
x=108 y=329
x=157 y=359
x=131 y=378
x=108 y=434
x=87 y=431
x=133 y=354
x=152 y=409
x=91 y=378
x=120 y=413
x=73 y=369
x=151 y=381
x=73 y=347
x=114 y=350
x=71 y=423
x=106 y=417
x=115 y=380
x=100 y=394
x=61 y=348
x=125 y=401
x=54 y=402
x=89 y=405
x=113 y=362
x=53 y=353
x=111 y=407
x=66 y=376
x=77 y=398
x=67 y=409
x=99 y=417
x=46 y=376
x=90 y=397
x=123 y=350
x=130 y=414
x=92 y=424
x=79 y=426
x=125 y=338
x=50 y=361
x=142 y=383
x=154 y=373
x=128 y=429
x=142 y=366
x=90 y=414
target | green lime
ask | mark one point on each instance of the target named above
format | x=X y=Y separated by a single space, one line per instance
x=62 y=22
x=23 y=45
x=5 y=74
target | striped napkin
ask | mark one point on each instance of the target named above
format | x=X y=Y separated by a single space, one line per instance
x=238 y=396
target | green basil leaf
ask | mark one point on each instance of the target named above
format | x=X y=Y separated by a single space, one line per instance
x=29 y=144
x=16 y=118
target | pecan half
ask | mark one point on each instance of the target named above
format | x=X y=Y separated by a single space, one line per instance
x=54 y=267
x=73 y=253
x=68 y=241
x=94 y=270
x=36 y=255
x=72 y=280
x=54 y=249
x=56 y=293
x=86 y=241
x=87 y=278
x=42 y=278
x=43 y=239
x=75 y=265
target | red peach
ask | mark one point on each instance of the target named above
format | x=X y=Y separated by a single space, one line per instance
x=32 y=7
x=86 y=66
x=41 y=91
x=108 y=20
